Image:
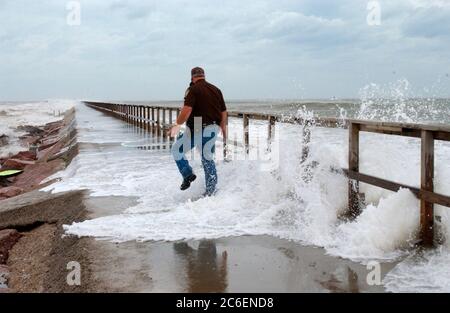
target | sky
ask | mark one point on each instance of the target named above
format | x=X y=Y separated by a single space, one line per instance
x=258 y=49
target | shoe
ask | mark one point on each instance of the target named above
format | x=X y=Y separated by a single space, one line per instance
x=187 y=182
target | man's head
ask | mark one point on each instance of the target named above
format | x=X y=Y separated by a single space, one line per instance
x=197 y=73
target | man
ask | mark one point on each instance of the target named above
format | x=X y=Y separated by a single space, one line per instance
x=204 y=111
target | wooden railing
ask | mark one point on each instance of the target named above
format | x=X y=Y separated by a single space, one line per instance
x=157 y=119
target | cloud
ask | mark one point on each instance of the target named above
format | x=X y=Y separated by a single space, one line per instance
x=132 y=49
x=428 y=23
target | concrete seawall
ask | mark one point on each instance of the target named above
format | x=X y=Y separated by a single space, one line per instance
x=31 y=221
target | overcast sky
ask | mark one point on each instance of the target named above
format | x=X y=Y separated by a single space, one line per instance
x=144 y=50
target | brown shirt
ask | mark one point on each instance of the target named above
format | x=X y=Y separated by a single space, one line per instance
x=206 y=101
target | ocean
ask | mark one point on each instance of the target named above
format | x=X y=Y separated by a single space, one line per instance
x=253 y=200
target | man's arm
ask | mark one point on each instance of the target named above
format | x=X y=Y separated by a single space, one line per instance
x=181 y=119
x=224 y=120
x=223 y=125
x=184 y=115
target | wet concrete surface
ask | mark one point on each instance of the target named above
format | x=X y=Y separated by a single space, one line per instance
x=234 y=264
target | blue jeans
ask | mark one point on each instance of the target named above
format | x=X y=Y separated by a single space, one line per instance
x=205 y=142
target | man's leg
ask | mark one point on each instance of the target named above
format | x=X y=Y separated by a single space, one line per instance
x=182 y=145
x=208 y=149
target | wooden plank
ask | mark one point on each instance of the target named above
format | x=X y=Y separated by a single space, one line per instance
x=379 y=182
x=390 y=130
x=393 y=186
x=442 y=135
x=412 y=126
x=427 y=183
x=353 y=165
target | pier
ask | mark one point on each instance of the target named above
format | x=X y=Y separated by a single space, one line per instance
x=158 y=119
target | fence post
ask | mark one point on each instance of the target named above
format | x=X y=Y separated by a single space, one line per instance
x=170 y=122
x=158 y=123
x=225 y=139
x=147 y=123
x=245 y=120
x=136 y=118
x=427 y=183
x=163 y=124
x=133 y=115
x=271 y=132
x=306 y=141
x=353 y=165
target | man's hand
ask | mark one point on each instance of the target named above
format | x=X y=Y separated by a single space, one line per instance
x=174 y=130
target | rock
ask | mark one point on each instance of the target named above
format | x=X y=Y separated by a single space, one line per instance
x=32 y=130
x=50 y=127
x=45 y=154
x=16 y=164
x=4 y=140
x=25 y=155
x=29 y=140
x=47 y=143
x=11 y=191
x=8 y=238
x=54 y=131
x=4 y=277
x=34 y=174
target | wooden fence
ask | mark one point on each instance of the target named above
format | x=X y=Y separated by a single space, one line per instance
x=157 y=120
